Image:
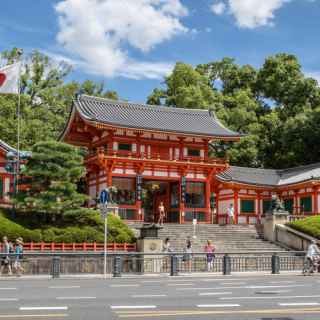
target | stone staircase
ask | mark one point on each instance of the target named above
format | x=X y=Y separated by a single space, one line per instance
x=228 y=238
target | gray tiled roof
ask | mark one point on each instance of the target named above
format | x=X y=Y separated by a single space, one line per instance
x=4 y=146
x=271 y=177
x=157 y=118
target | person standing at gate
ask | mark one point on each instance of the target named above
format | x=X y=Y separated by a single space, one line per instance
x=230 y=214
x=161 y=213
x=209 y=250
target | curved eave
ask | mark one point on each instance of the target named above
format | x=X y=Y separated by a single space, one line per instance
x=68 y=125
x=96 y=123
x=258 y=185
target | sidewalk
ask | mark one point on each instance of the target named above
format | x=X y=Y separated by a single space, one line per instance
x=146 y=275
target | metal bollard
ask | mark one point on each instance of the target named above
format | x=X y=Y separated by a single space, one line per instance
x=226 y=265
x=117 y=267
x=275 y=264
x=174 y=266
x=56 y=264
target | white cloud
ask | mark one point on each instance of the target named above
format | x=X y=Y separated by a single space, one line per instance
x=99 y=33
x=218 y=8
x=250 y=13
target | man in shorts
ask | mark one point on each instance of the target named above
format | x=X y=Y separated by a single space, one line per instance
x=5 y=257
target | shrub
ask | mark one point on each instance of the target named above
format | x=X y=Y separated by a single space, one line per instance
x=310 y=226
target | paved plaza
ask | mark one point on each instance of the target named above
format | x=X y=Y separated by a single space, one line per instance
x=245 y=296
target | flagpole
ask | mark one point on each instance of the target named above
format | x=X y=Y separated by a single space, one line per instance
x=19 y=54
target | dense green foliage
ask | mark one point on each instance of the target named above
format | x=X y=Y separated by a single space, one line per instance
x=310 y=226
x=45 y=101
x=54 y=170
x=85 y=226
x=277 y=106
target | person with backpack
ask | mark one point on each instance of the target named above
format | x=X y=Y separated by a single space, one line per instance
x=5 y=260
x=209 y=250
x=18 y=256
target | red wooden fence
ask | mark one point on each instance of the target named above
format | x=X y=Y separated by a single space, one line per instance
x=52 y=246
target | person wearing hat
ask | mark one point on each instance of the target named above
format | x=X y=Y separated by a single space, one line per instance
x=18 y=256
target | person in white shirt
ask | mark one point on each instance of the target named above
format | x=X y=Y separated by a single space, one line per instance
x=230 y=213
x=313 y=251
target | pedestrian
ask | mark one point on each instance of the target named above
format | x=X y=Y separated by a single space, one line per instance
x=209 y=249
x=231 y=214
x=161 y=213
x=5 y=260
x=166 y=248
x=18 y=256
x=166 y=245
x=187 y=256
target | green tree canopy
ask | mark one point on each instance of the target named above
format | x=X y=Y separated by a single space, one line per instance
x=54 y=168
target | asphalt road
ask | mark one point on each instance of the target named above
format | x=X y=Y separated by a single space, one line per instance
x=265 y=297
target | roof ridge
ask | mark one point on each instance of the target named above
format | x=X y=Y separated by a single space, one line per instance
x=145 y=105
x=306 y=166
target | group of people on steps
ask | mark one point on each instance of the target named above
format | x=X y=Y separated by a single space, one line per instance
x=187 y=256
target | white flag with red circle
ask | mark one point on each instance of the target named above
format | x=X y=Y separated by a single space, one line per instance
x=9 y=78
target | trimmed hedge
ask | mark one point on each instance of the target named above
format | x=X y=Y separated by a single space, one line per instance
x=83 y=225
x=310 y=226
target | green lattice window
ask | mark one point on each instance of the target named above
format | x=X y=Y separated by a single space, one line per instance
x=247 y=206
x=288 y=205
x=266 y=205
x=306 y=204
x=125 y=147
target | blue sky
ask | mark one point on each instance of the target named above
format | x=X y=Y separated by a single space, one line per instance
x=132 y=45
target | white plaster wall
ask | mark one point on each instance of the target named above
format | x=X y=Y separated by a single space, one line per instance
x=185 y=151
x=134 y=147
x=200 y=176
x=6 y=188
x=147 y=173
x=252 y=192
x=130 y=171
x=191 y=175
x=142 y=148
x=177 y=153
x=202 y=153
x=226 y=191
x=115 y=145
x=117 y=170
x=242 y=219
x=160 y=174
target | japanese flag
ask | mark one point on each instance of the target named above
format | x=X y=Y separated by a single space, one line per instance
x=9 y=78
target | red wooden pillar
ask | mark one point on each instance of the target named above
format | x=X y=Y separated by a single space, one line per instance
x=208 y=193
x=259 y=207
x=181 y=148
x=295 y=203
x=236 y=205
x=315 y=200
x=181 y=205
x=217 y=205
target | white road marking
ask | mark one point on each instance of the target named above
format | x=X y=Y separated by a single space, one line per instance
x=8 y=288
x=152 y=281
x=243 y=287
x=280 y=282
x=133 y=307
x=8 y=299
x=213 y=293
x=179 y=284
x=124 y=285
x=218 y=305
x=273 y=297
x=230 y=283
x=280 y=286
x=298 y=304
x=76 y=298
x=42 y=308
x=64 y=287
x=149 y=295
x=273 y=291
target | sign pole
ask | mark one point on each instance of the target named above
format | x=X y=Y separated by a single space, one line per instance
x=104 y=197
x=105 y=239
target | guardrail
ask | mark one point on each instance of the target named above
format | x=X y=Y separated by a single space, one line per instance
x=53 y=247
x=65 y=263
